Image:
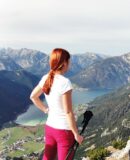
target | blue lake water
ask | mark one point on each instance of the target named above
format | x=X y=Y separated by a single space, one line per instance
x=34 y=116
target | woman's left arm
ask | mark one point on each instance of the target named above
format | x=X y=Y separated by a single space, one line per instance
x=35 y=97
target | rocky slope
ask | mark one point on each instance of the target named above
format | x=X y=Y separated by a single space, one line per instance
x=116 y=154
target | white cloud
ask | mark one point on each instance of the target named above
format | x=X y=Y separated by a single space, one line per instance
x=78 y=25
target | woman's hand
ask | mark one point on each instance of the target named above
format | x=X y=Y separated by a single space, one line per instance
x=46 y=111
x=78 y=138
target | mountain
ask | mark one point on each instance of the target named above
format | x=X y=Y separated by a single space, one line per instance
x=126 y=58
x=111 y=72
x=15 y=89
x=82 y=61
x=111 y=120
x=6 y=63
x=36 y=62
x=30 y=60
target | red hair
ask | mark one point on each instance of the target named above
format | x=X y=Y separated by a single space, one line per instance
x=57 y=59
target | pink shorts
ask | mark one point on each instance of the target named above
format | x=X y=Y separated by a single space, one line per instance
x=57 y=143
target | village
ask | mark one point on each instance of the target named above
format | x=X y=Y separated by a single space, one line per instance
x=18 y=145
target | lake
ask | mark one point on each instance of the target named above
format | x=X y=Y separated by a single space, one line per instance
x=34 y=116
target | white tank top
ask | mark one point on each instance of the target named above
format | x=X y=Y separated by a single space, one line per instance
x=56 y=116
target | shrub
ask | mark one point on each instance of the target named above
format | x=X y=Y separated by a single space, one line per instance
x=119 y=144
x=98 y=153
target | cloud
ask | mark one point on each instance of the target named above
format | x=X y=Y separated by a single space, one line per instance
x=80 y=23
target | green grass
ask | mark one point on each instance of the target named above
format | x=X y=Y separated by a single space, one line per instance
x=17 y=133
x=16 y=153
x=40 y=131
x=29 y=148
x=3 y=133
x=33 y=146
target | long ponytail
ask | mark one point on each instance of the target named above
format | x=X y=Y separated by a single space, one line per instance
x=48 y=83
x=57 y=59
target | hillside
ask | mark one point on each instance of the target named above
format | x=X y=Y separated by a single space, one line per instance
x=15 y=89
x=111 y=120
x=112 y=72
x=111 y=109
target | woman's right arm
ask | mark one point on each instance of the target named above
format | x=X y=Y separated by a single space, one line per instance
x=67 y=104
x=37 y=91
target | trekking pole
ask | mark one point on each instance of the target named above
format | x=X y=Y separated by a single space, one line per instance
x=87 y=116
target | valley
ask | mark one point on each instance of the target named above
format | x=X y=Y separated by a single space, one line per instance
x=21 y=70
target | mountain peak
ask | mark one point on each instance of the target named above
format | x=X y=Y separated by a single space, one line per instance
x=126 y=57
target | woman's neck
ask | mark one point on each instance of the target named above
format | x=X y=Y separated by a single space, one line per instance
x=59 y=72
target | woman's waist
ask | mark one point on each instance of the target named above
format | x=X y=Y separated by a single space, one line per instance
x=57 y=116
x=58 y=121
x=59 y=113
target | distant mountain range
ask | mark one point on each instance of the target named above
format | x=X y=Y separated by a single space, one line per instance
x=32 y=61
x=111 y=72
x=80 y=62
x=89 y=70
x=36 y=62
x=15 y=89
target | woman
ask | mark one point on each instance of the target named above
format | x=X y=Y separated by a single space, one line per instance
x=60 y=128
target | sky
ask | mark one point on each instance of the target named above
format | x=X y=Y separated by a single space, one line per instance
x=99 y=26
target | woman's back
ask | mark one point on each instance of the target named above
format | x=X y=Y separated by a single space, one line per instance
x=56 y=115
